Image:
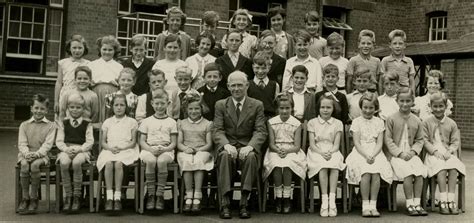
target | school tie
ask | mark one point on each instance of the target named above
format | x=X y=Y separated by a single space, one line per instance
x=237 y=110
x=212 y=90
x=75 y=123
x=261 y=84
x=181 y=107
x=234 y=59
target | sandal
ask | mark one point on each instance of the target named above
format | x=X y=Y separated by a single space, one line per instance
x=412 y=211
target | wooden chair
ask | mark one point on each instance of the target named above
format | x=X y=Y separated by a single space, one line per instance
x=342 y=183
x=45 y=180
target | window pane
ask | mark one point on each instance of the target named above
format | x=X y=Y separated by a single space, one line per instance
x=23 y=65
x=26 y=30
x=124 y=5
x=15 y=13
x=38 y=32
x=12 y=46
x=37 y=48
x=39 y=15
x=25 y=47
x=123 y=25
x=439 y=36
x=54 y=33
x=56 y=2
x=440 y=22
x=53 y=49
x=55 y=17
x=27 y=14
x=14 y=29
x=433 y=35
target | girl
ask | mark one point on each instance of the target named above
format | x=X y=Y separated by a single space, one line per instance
x=126 y=80
x=267 y=44
x=232 y=60
x=198 y=61
x=366 y=164
x=119 y=148
x=242 y=21
x=105 y=71
x=172 y=45
x=174 y=21
x=194 y=156
x=285 y=42
x=323 y=155
x=442 y=140
x=404 y=140
x=284 y=156
x=434 y=82
x=76 y=47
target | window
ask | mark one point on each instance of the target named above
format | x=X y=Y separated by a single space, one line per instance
x=2 y=13
x=334 y=20
x=438 y=26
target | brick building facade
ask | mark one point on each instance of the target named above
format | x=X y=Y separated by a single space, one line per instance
x=92 y=19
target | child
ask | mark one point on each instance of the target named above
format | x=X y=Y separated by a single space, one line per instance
x=361 y=82
x=285 y=43
x=442 y=141
x=194 y=156
x=35 y=139
x=157 y=80
x=183 y=78
x=82 y=80
x=119 y=148
x=398 y=62
x=175 y=20
x=139 y=63
x=388 y=101
x=330 y=78
x=76 y=47
x=126 y=80
x=209 y=23
x=242 y=21
x=157 y=141
x=233 y=60
x=365 y=60
x=105 y=71
x=262 y=88
x=434 y=82
x=284 y=156
x=168 y=65
x=314 y=83
x=303 y=106
x=212 y=91
x=323 y=155
x=336 y=47
x=74 y=140
x=318 y=45
x=198 y=61
x=404 y=140
x=277 y=63
x=366 y=164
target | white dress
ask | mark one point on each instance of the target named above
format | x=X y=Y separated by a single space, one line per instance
x=119 y=132
x=402 y=168
x=284 y=139
x=357 y=165
x=325 y=133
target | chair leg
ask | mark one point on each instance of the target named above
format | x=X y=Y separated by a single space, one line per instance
x=181 y=200
x=311 y=195
x=137 y=187
x=48 y=197
x=351 y=188
x=433 y=192
x=175 y=190
x=99 y=191
x=424 y=192
x=18 y=195
x=394 y=196
x=91 y=188
x=259 y=191
x=344 y=194
x=462 y=194
x=389 y=197
x=142 y=190
x=265 y=194
x=58 y=189
x=302 y=193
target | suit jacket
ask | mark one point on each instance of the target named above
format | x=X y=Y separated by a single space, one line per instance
x=309 y=105
x=176 y=103
x=249 y=129
x=226 y=67
x=210 y=99
x=277 y=69
x=291 y=46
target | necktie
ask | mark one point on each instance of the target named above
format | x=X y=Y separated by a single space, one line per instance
x=234 y=59
x=75 y=123
x=212 y=90
x=261 y=84
x=181 y=107
x=237 y=110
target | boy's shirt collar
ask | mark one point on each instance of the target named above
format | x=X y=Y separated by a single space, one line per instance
x=71 y=120
x=387 y=96
x=365 y=57
x=309 y=58
x=44 y=119
x=392 y=58
x=137 y=63
x=187 y=91
x=211 y=89
x=167 y=32
x=305 y=89
x=195 y=122
x=256 y=80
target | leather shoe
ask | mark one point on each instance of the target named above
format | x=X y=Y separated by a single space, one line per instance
x=278 y=205
x=150 y=203
x=421 y=211
x=109 y=205
x=286 y=205
x=375 y=213
x=244 y=213
x=67 y=204
x=225 y=213
x=443 y=208
x=23 y=207
x=412 y=211
x=33 y=205
x=187 y=207
x=453 y=208
x=117 y=205
x=160 y=203
x=76 y=203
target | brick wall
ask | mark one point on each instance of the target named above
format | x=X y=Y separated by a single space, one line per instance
x=295 y=11
x=196 y=8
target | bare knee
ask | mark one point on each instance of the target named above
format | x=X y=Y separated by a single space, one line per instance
x=118 y=165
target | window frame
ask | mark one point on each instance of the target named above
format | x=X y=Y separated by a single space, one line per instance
x=432 y=27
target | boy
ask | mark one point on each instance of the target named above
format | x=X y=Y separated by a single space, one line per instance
x=209 y=23
x=365 y=60
x=212 y=92
x=82 y=78
x=388 y=101
x=398 y=62
x=361 y=82
x=184 y=78
x=303 y=99
x=74 y=140
x=330 y=78
x=318 y=45
x=156 y=80
x=139 y=63
x=174 y=21
x=262 y=88
x=35 y=139
x=157 y=141
x=314 y=82
x=335 y=47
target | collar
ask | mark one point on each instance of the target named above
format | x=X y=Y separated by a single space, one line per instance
x=103 y=61
x=166 y=32
x=356 y=92
x=241 y=102
x=322 y=121
x=315 y=37
x=282 y=33
x=245 y=34
x=365 y=57
x=80 y=60
x=44 y=119
x=138 y=61
x=332 y=92
x=442 y=120
x=307 y=59
x=386 y=96
x=187 y=91
x=257 y=80
x=79 y=120
x=116 y=120
x=291 y=90
x=392 y=58
x=236 y=54
x=211 y=88
x=195 y=122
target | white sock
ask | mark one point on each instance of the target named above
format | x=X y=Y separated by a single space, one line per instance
x=373 y=205
x=197 y=197
x=287 y=191
x=416 y=200
x=324 y=201
x=365 y=205
x=117 y=195
x=332 y=200
x=189 y=195
x=450 y=197
x=109 y=194
x=278 y=191
x=410 y=202
x=443 y=197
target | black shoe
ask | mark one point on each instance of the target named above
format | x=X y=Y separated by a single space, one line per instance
x=286 y=205
x=244 y=213
x=187 y=207
x=76 y=203
x=109 y=205
x=278 y=206
x=160 y=203
x=412 y=211
x=421 y=211
x=117 y=205
x=196 y=207
x=23 y=207
x=225 y=213
x=67 y=204
x=150 y=203
x=33 y=206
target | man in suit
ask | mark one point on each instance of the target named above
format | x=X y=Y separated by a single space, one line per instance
x=239 y=132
